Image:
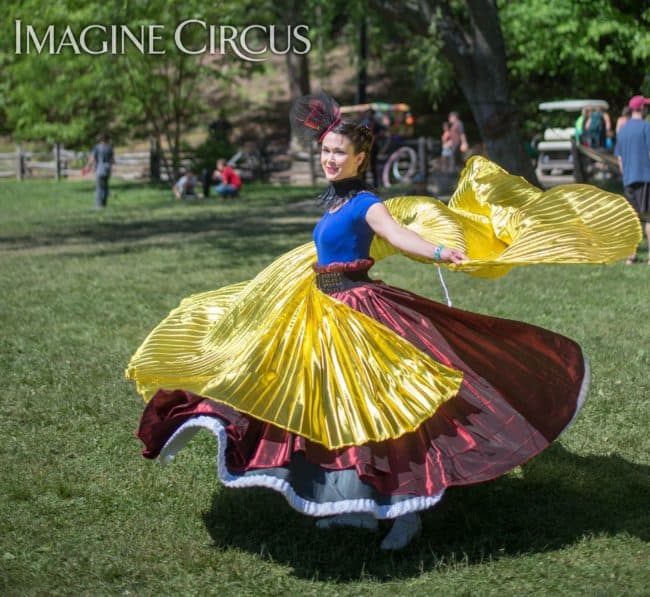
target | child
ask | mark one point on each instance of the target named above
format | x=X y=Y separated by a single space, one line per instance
x=185 y=186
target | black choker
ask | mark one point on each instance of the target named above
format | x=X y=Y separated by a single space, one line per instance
x=340 y=191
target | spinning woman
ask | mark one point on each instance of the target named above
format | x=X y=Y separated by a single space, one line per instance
x=359 y=401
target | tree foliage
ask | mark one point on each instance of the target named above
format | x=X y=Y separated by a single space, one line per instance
x=554 y=49
x=71 y=97
x=559 y=49
x=468 y=35
x=53 y=97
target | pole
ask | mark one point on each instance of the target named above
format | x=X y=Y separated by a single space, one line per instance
x=20 y=163
x=154 y=160
x=57 y=158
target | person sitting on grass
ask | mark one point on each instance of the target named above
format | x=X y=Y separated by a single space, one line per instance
x=228 y=182
x=185 y=186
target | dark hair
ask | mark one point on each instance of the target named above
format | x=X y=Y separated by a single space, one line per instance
x=313 y=116
x=361 y=138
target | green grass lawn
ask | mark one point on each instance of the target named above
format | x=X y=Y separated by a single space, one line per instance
x=83 y=513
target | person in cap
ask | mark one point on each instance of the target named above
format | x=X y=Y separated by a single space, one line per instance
x=633 y=153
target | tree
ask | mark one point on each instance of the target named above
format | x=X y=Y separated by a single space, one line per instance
x=298 y=71
x=505 y=54
x=558 y=49
x=52 y=97
x=469 y=36
x=72 y=96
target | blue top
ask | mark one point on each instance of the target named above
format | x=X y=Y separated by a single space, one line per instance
x=633 y=147
x=344 y=235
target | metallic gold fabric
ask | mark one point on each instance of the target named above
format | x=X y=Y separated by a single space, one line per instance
x=290 y=355
x=282 y=351
x=500 y=220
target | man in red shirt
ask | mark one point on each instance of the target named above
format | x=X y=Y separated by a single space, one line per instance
x=228 y=182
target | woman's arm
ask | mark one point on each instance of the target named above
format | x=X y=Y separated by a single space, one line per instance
x=383 y=224
x=464 y=145
x=608 y=123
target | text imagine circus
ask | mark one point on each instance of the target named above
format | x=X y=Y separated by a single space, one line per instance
x=249 y=43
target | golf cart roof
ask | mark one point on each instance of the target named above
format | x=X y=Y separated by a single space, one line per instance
x=574 y=105
x=378 y=106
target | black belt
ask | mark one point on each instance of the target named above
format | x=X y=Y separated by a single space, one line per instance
x=337 y=281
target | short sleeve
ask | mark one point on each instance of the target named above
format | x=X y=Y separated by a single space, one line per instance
x=363 y=201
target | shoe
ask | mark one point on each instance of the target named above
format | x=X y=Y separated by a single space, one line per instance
x=359 y=521
x=404 y=530
x=630 y=260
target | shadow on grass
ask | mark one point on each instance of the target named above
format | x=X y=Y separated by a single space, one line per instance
x=558 y=499
x=86 y=185
x=241 y=233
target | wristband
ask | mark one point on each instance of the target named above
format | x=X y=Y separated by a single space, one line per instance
x=436 y=253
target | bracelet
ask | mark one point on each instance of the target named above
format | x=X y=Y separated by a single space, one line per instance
x=436 y=253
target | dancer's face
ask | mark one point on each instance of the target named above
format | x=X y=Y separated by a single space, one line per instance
x=337 y=157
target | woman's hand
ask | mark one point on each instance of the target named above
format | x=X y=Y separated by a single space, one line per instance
x=448 y=255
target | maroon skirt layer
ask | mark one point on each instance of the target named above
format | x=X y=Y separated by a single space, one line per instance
x=520 y=390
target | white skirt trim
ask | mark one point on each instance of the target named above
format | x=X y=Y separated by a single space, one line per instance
x=258 y=479
x=582 y=394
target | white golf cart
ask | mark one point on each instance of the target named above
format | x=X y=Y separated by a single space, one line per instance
x=555 y=162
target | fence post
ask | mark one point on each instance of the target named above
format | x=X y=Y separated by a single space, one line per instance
x=154 y=160
x=57 y=160
x=20 y=163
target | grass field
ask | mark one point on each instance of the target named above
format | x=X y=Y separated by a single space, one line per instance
x=82 y=513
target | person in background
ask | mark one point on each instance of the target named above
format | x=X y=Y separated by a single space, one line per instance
x=228 y=181
x=633 y=153
x=609 y=133
x=447 y=154
x=186 y=185
x=580 y=125
x=598 y=128
x=623 y=118
x=458 y=138
x=102 y=159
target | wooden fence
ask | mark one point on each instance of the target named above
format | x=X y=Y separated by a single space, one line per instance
x=61 y=163
x=156 y=164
